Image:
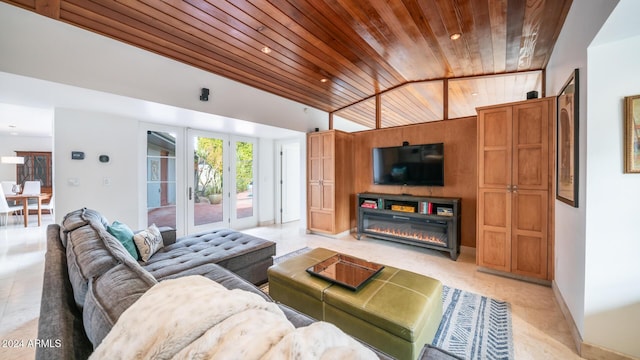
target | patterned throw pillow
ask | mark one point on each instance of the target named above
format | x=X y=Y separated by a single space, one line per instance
x=148 y=242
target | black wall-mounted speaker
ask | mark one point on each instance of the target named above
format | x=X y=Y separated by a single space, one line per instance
x=204 y=94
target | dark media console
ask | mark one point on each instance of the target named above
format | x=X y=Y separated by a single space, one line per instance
x=428 y=222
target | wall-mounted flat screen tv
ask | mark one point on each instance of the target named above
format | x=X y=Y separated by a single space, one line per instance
x=418 y=165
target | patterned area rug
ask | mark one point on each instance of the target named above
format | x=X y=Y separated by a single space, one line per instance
x=473 y=326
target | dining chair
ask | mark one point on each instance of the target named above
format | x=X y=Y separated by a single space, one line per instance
x=46 y=206
x=31 y=187
x=5 y=209
x=7 y=186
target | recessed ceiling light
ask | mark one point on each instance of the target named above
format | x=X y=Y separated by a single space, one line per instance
x=266 y=50
x=261 y=28
x=455 y=36
x=324 y=80
x=474 y=94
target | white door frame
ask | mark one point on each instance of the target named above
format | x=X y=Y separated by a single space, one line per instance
x=191 y=227
x=279 y=206
x=180 y=173
x=249 y=221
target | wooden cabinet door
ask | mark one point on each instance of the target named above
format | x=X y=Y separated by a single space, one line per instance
x=494 y=229
x=513 y=188
x=531 y=146
x=529 y=233
x=321 y=181
x=495 y=148
x=328 y=171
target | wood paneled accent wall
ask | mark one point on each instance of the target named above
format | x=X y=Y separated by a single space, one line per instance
x=460 y=167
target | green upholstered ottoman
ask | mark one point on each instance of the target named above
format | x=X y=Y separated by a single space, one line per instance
x=397 y=311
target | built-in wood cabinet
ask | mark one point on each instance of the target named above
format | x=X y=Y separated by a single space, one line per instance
x=515 y=187
x=329 y=181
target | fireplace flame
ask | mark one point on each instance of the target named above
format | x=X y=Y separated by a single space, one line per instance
x=438 y=239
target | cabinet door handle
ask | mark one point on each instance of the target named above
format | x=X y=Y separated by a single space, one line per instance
x=515 y=188
x=509 y=188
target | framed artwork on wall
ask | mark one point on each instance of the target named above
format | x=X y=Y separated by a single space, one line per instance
x=567 y=141
x=632 y=134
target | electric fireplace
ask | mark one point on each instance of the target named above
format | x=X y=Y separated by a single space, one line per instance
x=428 y=231
x=411 y=220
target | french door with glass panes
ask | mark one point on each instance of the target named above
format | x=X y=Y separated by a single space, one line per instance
x=220 y=181
x=163 y=163
x=243 y=186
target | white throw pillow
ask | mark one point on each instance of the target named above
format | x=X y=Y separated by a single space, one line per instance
x=148 y=242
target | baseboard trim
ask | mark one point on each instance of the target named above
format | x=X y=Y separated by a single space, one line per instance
x=595 y=352
x=585 y=350
x=575 y=334
x=514 y=276
x=266 y=223
x=334 y=236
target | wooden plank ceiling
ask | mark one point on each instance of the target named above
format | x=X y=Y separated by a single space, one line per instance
x=335 y=53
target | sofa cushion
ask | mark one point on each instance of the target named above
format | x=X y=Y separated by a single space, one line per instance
x=124 y=234
x=110 y=294
x=230 y=249
x=148 y=242
x=91 y=251
x=77 y=219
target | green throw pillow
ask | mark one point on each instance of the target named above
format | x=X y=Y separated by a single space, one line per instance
x=124 y=234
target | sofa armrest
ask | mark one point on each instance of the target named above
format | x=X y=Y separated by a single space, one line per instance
x=168 y=235
x=60 y=324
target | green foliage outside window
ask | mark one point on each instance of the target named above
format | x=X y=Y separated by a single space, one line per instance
x=209 y=166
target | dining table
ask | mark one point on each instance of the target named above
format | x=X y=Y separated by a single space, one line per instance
x=24 y=199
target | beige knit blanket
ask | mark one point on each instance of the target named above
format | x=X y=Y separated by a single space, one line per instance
x=196 y=318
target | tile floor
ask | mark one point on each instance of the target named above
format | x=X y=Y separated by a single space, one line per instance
x=539 y=329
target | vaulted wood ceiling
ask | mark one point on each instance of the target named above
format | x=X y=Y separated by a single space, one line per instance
x=335 y=53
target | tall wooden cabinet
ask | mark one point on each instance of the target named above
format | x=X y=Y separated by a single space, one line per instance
x=515 y=188
x=329 y=181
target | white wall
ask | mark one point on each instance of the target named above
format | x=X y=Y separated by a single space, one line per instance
x=597 y=245
x=570 y=52
x=10 y=144
x=612 y=276
x=80 y=183
x=36 y=46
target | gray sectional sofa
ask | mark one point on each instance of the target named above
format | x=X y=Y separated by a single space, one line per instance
x=90 y=279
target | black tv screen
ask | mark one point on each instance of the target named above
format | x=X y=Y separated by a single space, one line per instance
x=409 y=165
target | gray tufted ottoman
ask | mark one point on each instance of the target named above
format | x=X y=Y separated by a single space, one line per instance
x=247 y=256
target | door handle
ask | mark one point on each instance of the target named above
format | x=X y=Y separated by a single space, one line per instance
x=190 y=192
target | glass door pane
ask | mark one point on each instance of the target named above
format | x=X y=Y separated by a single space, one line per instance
x=207 y=178
x=244 y=179
x=244 y=170
x=161 y=178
